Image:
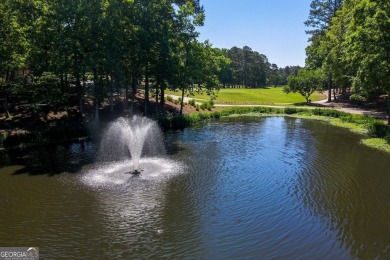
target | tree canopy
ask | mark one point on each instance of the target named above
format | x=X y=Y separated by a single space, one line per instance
x=117 y=44
x=353 y=47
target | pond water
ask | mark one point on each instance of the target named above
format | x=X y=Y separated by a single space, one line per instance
x=252 y=188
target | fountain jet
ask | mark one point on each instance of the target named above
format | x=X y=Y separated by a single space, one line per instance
x=134 y=137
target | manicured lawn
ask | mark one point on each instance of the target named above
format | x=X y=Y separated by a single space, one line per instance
x=269 y=96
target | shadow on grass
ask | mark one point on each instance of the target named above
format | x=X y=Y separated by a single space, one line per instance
x=304 y=104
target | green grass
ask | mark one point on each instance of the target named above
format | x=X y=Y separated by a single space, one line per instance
x=266 y=96
x=377 y=143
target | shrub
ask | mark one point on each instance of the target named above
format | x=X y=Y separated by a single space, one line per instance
x=290 y=110
x=164 y=122
x=387 y=138
x=192 y=102
x=3 y=137
x=328 y=112
x=207 y=105
x=169 y=98
x=356 y=98
x=378 y=129
x=179 y=122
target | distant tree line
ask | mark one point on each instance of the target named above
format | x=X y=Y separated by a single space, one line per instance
x=250 y=69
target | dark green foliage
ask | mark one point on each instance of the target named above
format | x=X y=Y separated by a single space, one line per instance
x=50 y=135
x=305 y=83
x=378 y=129
x=207 y=105
x=328 y=112
x=164 y=122
x=387 y=138
x=356 y=98
x=192 y=102
x=290 y=110
x=179 y=122
x=321 y=14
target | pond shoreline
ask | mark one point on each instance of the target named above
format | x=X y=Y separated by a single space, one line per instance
x=374 y=132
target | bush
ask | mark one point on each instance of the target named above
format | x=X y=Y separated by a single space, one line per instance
x=169 y=98
x=3 y=137
x=192 y=102
x=356 y=98
x=378 y=129
x=179 y=122
x=328 y=112
x=387 y=138
x=164 y=122
x=290 y=110
x=207 y=105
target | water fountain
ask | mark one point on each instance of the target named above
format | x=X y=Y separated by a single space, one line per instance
x=131 y=145
x=132 y=137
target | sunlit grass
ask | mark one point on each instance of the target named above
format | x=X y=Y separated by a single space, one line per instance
x=377 y=143
x=266 y=96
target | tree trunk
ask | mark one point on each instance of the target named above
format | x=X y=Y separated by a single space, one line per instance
x=182 y=101
x=109 y=83
x=330 y=88
x=146 y=90
x=6 y=110
x=95 y=86
x=157 y=88
x=127 y=92
x=162 y=99
x=133 y=92
x=344 y=92
x=79 y=94
x=388 y=108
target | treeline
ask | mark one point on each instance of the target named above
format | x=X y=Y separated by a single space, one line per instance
x=350 y=43
x=250 y=69
x=51 y=51
x=114 y=43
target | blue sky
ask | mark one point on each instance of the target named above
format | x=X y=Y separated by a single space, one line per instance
x=272 y=27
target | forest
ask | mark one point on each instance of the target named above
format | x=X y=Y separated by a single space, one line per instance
x=350 y=45
x=51 y=52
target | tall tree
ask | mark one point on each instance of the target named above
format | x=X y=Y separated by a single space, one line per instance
x=13 y=46
x=321 y=14
x=320 y=18
x=369 y=45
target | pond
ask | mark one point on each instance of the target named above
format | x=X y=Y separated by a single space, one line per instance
x=270 y=187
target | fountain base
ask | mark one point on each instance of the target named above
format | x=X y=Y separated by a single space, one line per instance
x=136 y=172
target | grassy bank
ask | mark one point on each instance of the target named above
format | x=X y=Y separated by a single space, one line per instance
x=375 y=133
x=261 y=96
